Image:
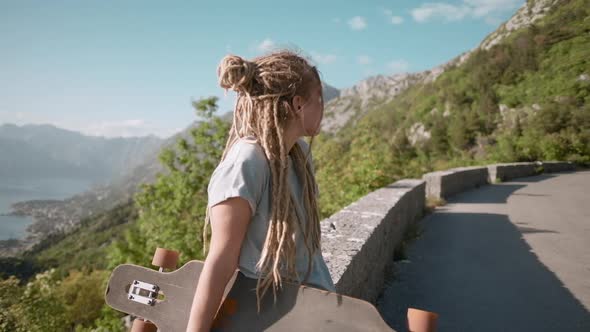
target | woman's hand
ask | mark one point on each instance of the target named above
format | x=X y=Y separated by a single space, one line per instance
x=229 y=224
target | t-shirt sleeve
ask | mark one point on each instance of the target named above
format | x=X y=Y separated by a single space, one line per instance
x=242 y=174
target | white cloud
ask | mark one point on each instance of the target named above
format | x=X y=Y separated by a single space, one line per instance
x=357 y=23
x=266 y=45
x=468 y=8
x=393 y=19
x=398 y=66
x=364 y=59
x=324 y=59
x=439 y=10
x=481 y=8
x=397 y=20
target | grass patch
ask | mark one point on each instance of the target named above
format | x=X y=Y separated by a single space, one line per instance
x=433 y=202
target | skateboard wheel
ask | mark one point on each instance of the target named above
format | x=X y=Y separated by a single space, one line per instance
x=421 y=321
x=165 y=258
x=140 y=325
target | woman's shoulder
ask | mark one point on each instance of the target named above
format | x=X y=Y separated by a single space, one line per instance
x=246 y=151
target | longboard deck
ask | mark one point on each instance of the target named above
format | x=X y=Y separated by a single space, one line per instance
x=298 y=308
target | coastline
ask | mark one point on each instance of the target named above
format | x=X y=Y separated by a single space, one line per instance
x=43 y=213
x=52 y=216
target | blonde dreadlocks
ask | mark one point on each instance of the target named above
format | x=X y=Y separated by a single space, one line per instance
x=266 y=86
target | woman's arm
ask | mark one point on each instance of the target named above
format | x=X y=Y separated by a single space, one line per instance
x=229 y=223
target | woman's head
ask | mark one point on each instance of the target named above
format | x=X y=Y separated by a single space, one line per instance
x=309 y=112
x=278 y=93
x=282 y=85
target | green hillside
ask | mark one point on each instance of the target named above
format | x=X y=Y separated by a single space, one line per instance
x=526 y=99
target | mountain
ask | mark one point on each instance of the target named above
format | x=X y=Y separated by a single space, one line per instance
x=38 y=151
x=32 y=152
x=353 y=102
x=522 y=95
x=329 y=92
x=527 y=14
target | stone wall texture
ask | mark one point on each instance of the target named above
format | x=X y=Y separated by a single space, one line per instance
x=443 y=184
x=504 y=172
x=359 y=240
x=557 y=166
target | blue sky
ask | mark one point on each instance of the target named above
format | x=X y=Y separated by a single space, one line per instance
x=131 y=68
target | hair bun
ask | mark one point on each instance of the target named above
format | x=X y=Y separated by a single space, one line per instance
x=236 y=73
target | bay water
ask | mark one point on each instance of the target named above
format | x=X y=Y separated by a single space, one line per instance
x=18 y=190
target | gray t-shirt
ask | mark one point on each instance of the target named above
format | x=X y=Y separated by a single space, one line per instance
x=245 y=173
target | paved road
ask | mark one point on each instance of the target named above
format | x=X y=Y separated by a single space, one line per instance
x=508 y=257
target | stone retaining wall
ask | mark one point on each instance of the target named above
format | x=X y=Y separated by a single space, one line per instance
x=557 y=166
x=443 y=184
x=359 y=240
x=504 y=172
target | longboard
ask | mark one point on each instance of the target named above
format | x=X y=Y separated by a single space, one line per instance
x=138 y=291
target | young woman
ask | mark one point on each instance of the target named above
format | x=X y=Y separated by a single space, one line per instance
x=262 y=196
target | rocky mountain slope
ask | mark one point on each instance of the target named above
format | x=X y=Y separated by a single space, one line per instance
x=353 y=102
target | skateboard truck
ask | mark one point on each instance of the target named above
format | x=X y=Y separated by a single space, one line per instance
x=147 y=293
x=143 y=292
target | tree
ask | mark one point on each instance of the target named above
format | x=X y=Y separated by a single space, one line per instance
x=172 y=210
x=82 y=294
x=34 y=307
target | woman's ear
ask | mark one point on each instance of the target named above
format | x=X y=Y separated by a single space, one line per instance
x=297 y=104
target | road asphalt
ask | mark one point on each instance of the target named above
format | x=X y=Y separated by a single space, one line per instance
x=513 y=256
